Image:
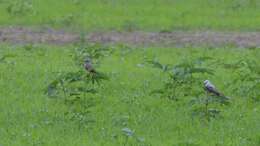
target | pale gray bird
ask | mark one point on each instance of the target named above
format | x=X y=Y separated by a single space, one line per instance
x=88 y=66
x=210 y=88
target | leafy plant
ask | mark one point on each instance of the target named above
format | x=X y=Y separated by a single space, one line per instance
x=89 y=50
x=130 y=26
x=76 y=88
x=183 y=78
x=76 y=2
x=65 y=20
x=156 y=64
x=246 y=81
x=4 y=58
x=208 y=106
x=20 y=7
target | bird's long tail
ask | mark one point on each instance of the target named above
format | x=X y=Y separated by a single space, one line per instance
x=224 y=99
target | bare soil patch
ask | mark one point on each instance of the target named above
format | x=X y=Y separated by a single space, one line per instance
x=21 y=35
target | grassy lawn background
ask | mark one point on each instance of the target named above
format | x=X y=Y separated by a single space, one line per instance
x=148 y=15
x=123 y=111
x=29 y=117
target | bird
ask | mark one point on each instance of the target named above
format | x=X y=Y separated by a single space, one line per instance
x=210 y=88
x=94 y=75
x=88 y=66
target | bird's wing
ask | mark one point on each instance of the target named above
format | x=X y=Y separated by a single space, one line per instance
x=211 y=88
x=89 y=67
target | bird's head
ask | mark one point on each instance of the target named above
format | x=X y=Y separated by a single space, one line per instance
x=206 y=82
x=87 y=60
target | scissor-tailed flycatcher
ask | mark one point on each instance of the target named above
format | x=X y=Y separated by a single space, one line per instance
x=88 y=66
x=209 y=87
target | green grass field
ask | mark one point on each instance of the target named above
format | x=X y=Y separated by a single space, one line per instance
x=148 y=15
x=29 y=117
x=140 y=96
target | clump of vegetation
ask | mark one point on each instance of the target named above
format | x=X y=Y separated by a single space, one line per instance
x=241 y=4
x=130 y=26
x=3 y=58
x=184 y=78
x=66 y=20
x=20 y=7
x=76 y=2
x=76 y=88
x=246 y=81
x=208 y=106
x=88 y=50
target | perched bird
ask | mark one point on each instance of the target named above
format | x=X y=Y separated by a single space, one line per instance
x=94 y=76
x=88 y=66
x=210 y=88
